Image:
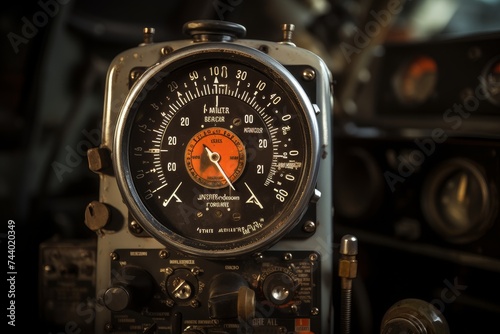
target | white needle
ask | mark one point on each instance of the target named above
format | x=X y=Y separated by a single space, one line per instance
x=215 y=157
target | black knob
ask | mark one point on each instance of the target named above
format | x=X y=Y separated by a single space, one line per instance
x=213 y=30
x=117 y=298
x=230 y=297
x=133 y=289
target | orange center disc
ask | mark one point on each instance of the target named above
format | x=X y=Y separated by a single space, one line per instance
x=215 y=158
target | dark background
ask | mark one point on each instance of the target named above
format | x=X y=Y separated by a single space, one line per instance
x=53 y=66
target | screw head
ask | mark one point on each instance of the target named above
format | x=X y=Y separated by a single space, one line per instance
x=108 y=327
x=308 y=74
x=166 y=50
x=309 y=226
x=135 y=227
x=163 y=254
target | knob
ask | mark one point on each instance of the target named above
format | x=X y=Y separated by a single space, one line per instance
x=287 y=30
x=414 y=316
x=133 y=289
x=279 y=288
x=213 y=30
x=230 y=297
x=182 y=286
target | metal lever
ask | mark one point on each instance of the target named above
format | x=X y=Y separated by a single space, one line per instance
x=348 y=269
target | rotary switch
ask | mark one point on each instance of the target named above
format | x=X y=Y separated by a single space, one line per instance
x=133 y=289
x=230 y=297
x=279 y=288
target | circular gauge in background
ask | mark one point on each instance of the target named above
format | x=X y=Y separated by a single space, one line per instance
x=358 y=185
x=416 y=80
x=491 y=81
x=458 y=202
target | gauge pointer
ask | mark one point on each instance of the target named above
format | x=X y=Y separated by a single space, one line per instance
x=215 y=157
x=177 y=199
x=462 y=188
x=253 y=199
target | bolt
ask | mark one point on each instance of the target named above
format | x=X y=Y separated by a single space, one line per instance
x=237 y=121
x=313 y=257
x=134 y=75
x=309 y=226
x=114 y=256
x=108 y=327
x=166 y=50
x=258 y=256
x=163 y=254
x=169 y=271
x=135 y=227
x=195 y=271
x=308 y=74
x=170 y=303
x=148 y=35
x=288 y=30
x=294 y=308
x=194 y=303
x=99 y=159
x=315 y=311
x=288 y=256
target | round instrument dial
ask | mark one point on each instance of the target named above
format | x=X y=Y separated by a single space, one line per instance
x=491 y=81
x=416 y=81
x=458 y=200
x=216 y=150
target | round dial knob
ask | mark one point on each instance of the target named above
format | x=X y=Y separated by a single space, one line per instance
x=279 y=288
x=117 y=298
x=133 y=289
x=182 y=286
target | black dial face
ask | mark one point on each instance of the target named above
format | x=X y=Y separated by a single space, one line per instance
x=219 y=153
x=458 y=201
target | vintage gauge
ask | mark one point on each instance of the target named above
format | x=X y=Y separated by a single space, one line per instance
x=416 y=80
x=491 y=81
x=216 y=150
x=458 y=201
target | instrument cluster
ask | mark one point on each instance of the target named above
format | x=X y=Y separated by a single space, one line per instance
x=417 y=176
